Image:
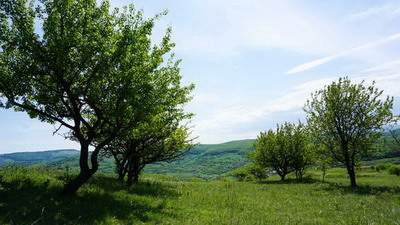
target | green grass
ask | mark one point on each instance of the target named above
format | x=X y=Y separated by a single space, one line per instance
x=31 y=194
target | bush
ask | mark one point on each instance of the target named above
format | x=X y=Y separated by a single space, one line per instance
x=250 y=172
x=240 y=173
x=381 y=167
x=394 y=170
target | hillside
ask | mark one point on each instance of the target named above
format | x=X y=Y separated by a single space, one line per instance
x=41 y=157
x=204 y=160
x=207 y=161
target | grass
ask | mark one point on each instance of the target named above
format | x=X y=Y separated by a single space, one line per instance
x=30 y=195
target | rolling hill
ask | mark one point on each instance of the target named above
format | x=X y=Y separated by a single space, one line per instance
x=205 y=160
x=41 y=157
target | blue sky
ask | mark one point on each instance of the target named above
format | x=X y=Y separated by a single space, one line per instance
x=255 y=62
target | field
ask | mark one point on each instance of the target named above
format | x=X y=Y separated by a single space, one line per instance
x=30 y=196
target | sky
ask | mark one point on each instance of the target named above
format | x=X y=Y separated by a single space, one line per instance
x=255 y=62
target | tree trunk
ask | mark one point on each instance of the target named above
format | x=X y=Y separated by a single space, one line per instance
x=133 y=175
x=352 y=175
x=121 y=169
x=349 y=161
x=72 y=187
x=85 y=172
x=120 y=176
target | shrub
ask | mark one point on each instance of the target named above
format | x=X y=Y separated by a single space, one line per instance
x=250 y=172
x=381 y=167
x=394 y=170
x=240 y=173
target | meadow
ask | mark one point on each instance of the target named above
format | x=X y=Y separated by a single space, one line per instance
x=30 y=195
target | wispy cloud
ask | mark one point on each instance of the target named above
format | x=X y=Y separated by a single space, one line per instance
x=315 y=63
x=389 y=10
x=395 y=64
x=228 y=120
x=227 y=28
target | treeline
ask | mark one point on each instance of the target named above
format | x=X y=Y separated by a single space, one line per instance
x=95 y=73
x=344 y=121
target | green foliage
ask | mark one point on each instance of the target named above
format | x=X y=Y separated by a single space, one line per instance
x=346 y=118
x=285 y=150
x=382 y=166
x=163 y=136
x=30 y=194
x=385 y=147
x=394 y=170
x=93 y=71
x=249 y=172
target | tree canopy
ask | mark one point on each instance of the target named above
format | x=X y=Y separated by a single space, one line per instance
x=92 y=71
x=284 y=150
x=346 y=118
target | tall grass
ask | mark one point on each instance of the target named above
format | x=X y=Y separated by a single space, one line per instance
x=31 y=195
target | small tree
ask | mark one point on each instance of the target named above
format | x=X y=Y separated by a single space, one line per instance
x=134 y=153
x=162 y=136
x=301 y=150
x=323 y=158
x=348 y=116
x=284 y=150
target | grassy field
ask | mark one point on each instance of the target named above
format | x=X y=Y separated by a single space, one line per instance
x=30 y=196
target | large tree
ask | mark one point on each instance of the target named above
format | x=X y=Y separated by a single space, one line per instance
x=347 y=118
x=87 y=70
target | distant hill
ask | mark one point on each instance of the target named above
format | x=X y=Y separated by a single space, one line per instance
x=41 y=157
x=204 y=160
x=207 y=161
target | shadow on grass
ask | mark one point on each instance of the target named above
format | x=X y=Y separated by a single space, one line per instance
x=143 y=188
x=361 y=189
x=24 y=202
x=345 y=189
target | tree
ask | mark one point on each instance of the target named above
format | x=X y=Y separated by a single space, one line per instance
x=89 y=71
x=162 y=136
x=323 y=157
x=302 y=151
x=348 y=116
x=285 y=150
x=148 y=146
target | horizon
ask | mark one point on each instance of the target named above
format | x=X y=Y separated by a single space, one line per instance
x=254 y=63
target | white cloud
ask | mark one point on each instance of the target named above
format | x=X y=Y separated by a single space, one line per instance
x=225 y=121
x=226 y=28
x=315 y=63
